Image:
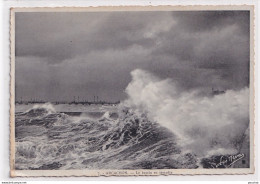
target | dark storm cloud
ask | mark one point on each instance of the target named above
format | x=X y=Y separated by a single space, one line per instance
x=60 y=36
x=207 y=20
x=61 y=55
x=217 y=41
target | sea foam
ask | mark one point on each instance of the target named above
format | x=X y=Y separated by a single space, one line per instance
x=203 y=125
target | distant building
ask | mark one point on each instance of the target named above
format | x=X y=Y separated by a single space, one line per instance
x=217 y=92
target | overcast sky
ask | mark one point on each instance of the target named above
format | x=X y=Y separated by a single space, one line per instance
x=61 y=55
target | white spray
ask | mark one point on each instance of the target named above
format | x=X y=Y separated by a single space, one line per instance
x=204 y=125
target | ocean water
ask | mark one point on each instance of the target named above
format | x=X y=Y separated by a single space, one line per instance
x=159 y=126
x=47 y=139
x=101 y=137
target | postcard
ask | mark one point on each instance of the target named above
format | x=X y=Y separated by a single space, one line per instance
x=132 y=91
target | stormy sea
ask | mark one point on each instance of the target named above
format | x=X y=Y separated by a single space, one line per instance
x=156 y=127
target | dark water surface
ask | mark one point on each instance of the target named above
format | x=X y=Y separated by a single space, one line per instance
x=46 y=139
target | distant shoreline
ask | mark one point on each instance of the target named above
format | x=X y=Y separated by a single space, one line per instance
x=70 y=103
x=68 y=107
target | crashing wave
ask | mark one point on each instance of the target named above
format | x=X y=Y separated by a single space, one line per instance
x=157 y=127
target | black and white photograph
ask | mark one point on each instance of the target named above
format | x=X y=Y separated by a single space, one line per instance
x=143 y=91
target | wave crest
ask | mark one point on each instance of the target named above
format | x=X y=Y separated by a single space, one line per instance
x=202 y=124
